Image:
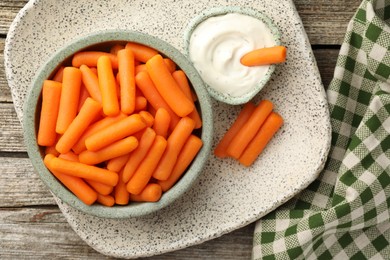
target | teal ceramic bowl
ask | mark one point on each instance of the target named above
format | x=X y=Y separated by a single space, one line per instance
x=220 y=11
x=32 y=112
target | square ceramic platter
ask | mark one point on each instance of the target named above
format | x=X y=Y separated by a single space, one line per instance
x=227 y=196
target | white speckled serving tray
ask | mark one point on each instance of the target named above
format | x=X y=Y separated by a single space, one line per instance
x=227 y=196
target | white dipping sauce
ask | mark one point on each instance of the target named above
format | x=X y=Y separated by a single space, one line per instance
x=217 y=45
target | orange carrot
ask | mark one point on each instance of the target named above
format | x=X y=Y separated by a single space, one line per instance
x=118 y=148
x=117 y=164
x=83 y=171
x=264 y=56
x=249 y=129
x=140 y=103
x=88 y=112
x=146 y=85
x=83 y=96
x=90 y=58
x=75 y=184
x=141 y=52
x=69 y=102
x=107 y=86
x=170 y=65
x=181 y=79
x=58 y=76
x=271 y=125
x=115 y=132
x=117 y=47
x=91 y=82
x=186 y=156
x=161 y=122
x=145 y=170
x=167 y=87
x=148 y=118
x=139 y=68
x=51 y=150
x=126 y=79
x=138 y=154
x=80 y=145
x=51 y=95
x=175 y=142
x=242 y=118
x=151 y=193
x=121 y=194
x=106 y=200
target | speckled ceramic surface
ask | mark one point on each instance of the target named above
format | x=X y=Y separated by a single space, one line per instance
x=110 y=37
x=227 y=196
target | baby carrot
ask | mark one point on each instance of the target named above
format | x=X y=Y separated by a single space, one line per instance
x=58 y=76
x=181 y=79
x=186 y=155
x=80 y=145
x=106 y=200
x=91 y=82
x=161 y=122
x=117 y=47
x=242 y=118
x=75 y=184
x=141 y=52
x=249 y=129
x=140 y=103
x=146 y=85
x=148 y=118
x=118 y=148
x=51 y=150
x=271 y=125
x=139 y=68
x=117 y=164
x=145 y=170
x=167 y=87
x=121 y=194
x=175 y=142
x=115 y=132
x=170 y=65
x=107 y=86
x=126 y=79
x=88 y=112
x=51 y=95
x=151 y=193
x=138 y=154
x=69 y=102
x=83 y=171
x=264 y=56
x=83 y=96
x=90 y=58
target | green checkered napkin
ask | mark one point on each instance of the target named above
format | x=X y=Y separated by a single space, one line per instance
x=344 y=214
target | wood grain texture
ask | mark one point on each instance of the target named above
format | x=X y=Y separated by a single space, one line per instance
x=11 y=135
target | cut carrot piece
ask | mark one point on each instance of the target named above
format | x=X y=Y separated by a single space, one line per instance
x=91 y=82
x=146 y=85
x=107 y=86
x=51 y=150
x=141 y=52
x=139 y=68
x=175 y=142
x=117 y=164
x=138 y=154
x=167 y=87
x=58 y=76
x=118 y=148
x=162 y=120
x=83 y=96
x=75 y=184
x=148 y=118
x=51 y=95
x=242 y=118
x=121 y=194
x=115 y=132
x=69 y=102
x=140 y=103
x=88 y=112
x=271 y=125
x=117 y=47
x=170 y=65
x=145 y=170
x=106 y=200
x=126 y=79
x=90 y=58
x=264 y=56
x=184 y=159
x=151 y=193
x=249 y=129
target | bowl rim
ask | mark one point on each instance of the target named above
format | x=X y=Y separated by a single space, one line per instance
x=30 y=124
x=222 y=10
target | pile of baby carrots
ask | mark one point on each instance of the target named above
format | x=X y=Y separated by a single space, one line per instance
x=118 y=125
x=252 y=130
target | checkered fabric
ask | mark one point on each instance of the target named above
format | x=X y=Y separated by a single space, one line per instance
x=344 y=214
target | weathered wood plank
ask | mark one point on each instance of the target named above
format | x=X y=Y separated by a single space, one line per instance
x=325 y=21
x=326 y=62
x=5 y=94
x=11 y=135
x=43 y=233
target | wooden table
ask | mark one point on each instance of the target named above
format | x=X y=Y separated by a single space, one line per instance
x=32 y=226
